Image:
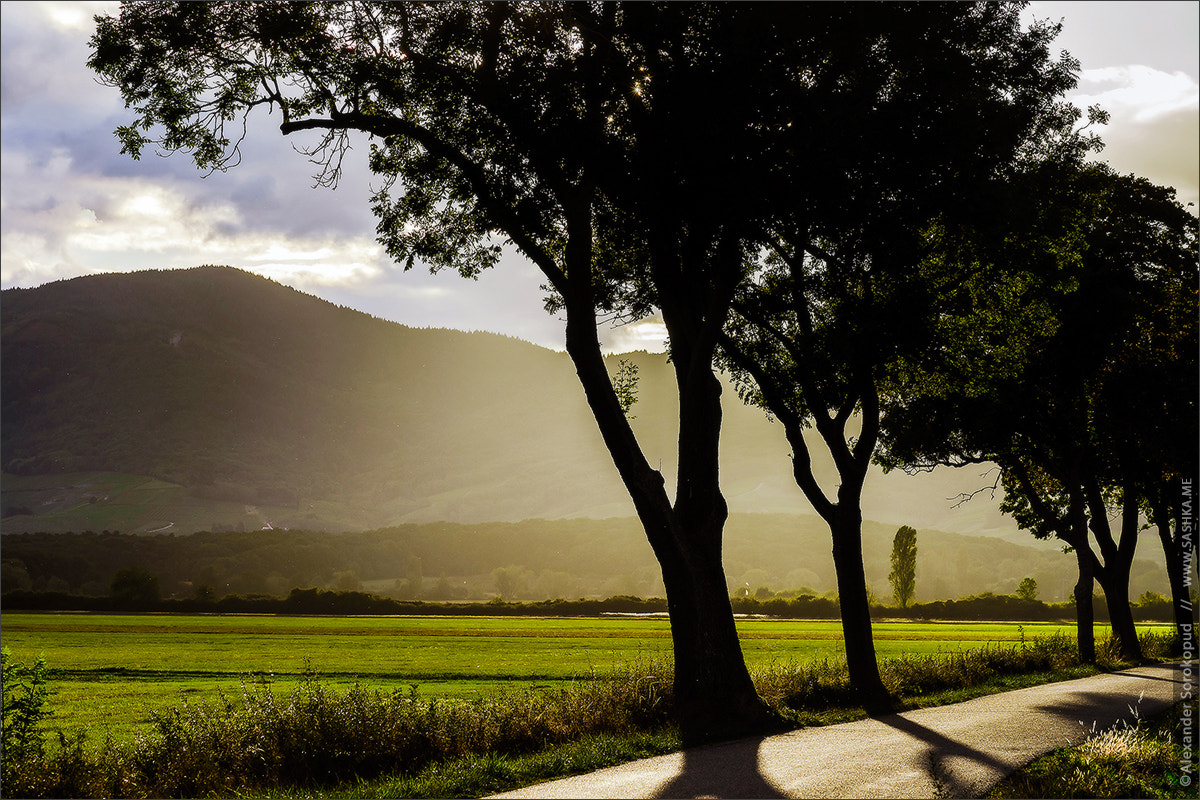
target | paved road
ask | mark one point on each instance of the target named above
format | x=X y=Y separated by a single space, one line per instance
x=959 y=750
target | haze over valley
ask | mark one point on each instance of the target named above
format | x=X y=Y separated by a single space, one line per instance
x=214 y=399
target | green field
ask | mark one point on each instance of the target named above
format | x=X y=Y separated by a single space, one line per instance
x=112 y=670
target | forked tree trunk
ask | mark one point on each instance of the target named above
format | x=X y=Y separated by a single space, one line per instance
x=714 y=695
x=1113 y=575
x=845 y=526
x=1116 y=595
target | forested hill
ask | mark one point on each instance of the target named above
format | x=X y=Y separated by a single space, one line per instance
x=250 y=402
x=248 y=391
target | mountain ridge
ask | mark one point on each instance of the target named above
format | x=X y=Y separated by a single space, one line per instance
x=242 y=390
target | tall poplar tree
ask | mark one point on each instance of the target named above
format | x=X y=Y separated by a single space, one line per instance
x=903 y=576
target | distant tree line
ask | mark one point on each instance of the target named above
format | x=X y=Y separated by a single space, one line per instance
x=133 y=591
x=530 y=560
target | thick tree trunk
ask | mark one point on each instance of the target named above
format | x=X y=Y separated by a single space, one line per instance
x=715 y=697
x=1116 y=595
x=856 y=612
x=1118 y=559
x=1085 y=617
x=714 y=694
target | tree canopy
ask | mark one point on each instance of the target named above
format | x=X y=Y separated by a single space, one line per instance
x=1099 y=365
x=643 y=156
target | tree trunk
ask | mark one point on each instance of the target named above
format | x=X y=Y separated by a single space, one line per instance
x=1118 y=559
x=1085 y=618
x=1120 y=615
x=715 y=697
x=845 y=526
x=714 y=694
x=856 y=612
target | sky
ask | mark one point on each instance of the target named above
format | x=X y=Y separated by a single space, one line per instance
x=71 y=205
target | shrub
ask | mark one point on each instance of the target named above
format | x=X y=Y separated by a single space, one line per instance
x=22 y=742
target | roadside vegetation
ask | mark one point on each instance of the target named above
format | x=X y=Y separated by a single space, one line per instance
x=321 y=740
x=1141 y=760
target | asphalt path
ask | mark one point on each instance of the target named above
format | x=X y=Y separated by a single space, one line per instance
x=959 y=750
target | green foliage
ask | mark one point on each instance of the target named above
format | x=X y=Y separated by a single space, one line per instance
x=24 y=708
x=1027 y=590
x=903 y=576
x=625 y=384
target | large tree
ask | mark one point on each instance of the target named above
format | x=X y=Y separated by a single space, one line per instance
x=547 y=125
x=962 y=98
x=1064 y=392
x=634 y=153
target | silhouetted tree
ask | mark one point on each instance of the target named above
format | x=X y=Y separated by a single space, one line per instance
x=1028 y=589
x=633 y=152
x=848 y=287
x=1049 y=390
x=903 y=576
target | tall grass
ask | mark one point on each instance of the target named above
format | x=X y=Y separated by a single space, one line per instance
x=318 y=736
x=824 y=684
x=258 y=741
x=1145 y=759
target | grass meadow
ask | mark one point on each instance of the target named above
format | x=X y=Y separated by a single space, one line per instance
x=110 y=671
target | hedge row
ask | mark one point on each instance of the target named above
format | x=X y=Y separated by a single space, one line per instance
x=323 y=602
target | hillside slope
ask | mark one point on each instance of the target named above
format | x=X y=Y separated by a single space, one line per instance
x=240 y=396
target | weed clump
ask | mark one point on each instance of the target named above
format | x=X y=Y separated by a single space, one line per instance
x=1145 y=759
x=820 y=685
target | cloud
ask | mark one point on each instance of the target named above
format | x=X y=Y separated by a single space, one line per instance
x=45 y=48
x=1154 y=127
x=649 y=334
x=57 y=220
x=73 y=205
x=1142 y=93
x=76 y=16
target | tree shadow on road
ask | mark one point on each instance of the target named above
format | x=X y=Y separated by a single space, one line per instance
x=943 y=752
x=960 y=770
x=721 y=771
